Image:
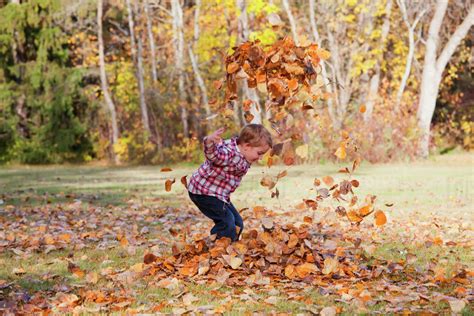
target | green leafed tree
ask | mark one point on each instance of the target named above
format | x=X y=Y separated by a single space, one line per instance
x=41 y=102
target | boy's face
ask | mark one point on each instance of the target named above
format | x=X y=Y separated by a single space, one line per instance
x=253 y=154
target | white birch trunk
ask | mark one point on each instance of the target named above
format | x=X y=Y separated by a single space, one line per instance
x=291 y=19
x=137 y=57
x=324 y=74
x=375 y=80
x=178 y=38
x=151 y=42
x=250 y=93
x=103 y=81
x=433 y=68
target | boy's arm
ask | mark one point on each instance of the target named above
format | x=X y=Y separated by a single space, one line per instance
x=214 y=150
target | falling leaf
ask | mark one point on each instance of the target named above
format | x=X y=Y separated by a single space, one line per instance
x=323 y=54
x=354 y=217
x=168 y=184
x=282 y=174
x=232 y=67
x=317 y=182
x=328 y=180
x=362 y=108
x=355 y=183
x=246 y=105
x=380 y=218
x=217 y=84
x=267 y=181
x=341 y=152
x=248 y=117
x=184 y=181
x=166 y=169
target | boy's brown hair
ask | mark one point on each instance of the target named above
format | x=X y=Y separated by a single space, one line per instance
x=255 y=135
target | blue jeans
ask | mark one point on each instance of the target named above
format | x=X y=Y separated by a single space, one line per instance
x=224 y=215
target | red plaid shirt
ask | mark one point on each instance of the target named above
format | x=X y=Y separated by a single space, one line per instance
x=222 y=171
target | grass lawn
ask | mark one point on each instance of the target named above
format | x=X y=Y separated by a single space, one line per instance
x=53 y=216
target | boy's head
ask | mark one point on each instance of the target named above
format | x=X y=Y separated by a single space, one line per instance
x=254 y=141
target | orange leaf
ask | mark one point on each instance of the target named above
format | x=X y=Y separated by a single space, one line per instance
x=217 y=84
x=365 y=210
x=354 y=217
x=328 y=180
x=166 y=169
x=362 y=108
x=232 y=67
x=168 y=184
x=380 y=218
x=293 y=84
x=246 y=105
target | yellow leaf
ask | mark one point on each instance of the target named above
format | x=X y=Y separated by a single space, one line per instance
x=341 y=152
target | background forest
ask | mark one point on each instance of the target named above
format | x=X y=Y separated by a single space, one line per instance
x=136 y=81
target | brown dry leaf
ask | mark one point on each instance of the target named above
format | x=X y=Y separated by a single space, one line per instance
x=290 y=271
x=168 y=184
x=267 y=223
x=184 y=181
x=306 y=269
x=149 y=258
x=282 y=174
x=267 y=181
x=166 y=169
x=328 y=180
x=328 y=311
x=246 y=105
x=331 y=265
x=217 y=84
x=92 y=277
x=248 y=117
x=355 y=183
x=380 y=218
x=74 y=269
x=317 y=182
x=232 y=67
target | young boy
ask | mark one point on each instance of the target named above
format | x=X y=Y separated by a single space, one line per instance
x=226 y=163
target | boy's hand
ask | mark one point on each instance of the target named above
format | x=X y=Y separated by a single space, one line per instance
x=215 y=137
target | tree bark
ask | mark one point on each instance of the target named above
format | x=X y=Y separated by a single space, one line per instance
x=291 y=19
x=243 y=36
x=411 y=49
x=324 y=74
x=103 y=80
x=433 y=68
x=138 y=61
x=151 y=43
x=178 y=38
x=375 y=80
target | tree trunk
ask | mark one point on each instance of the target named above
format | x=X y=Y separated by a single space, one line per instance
x=138 y=61
x=375 y=80
x=195 y=63
x=103 y=80
x=291 y=19
x=433 y=68
x=411 y=49
x=243 y=36
x=324 y=74
x=151 y=43
x=177 y=13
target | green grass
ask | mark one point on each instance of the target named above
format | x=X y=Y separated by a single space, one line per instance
x=438 y=190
